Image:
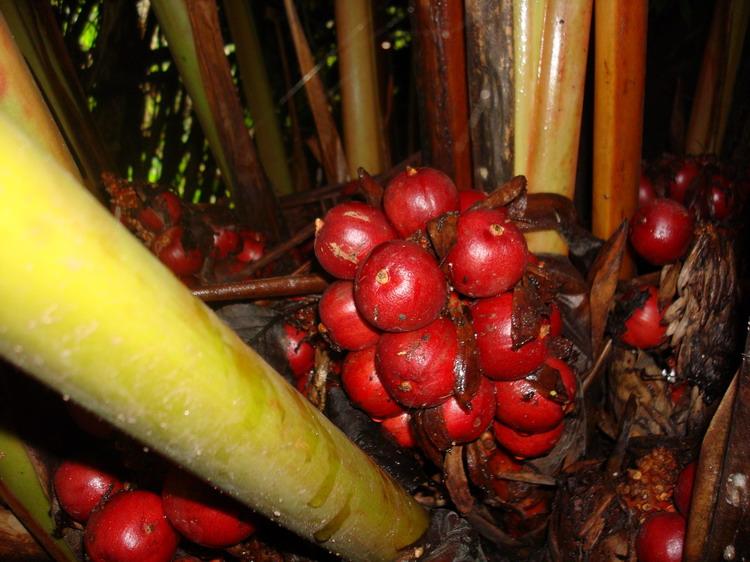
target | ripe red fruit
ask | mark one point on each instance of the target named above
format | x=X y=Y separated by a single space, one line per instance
x=226 y=241
x=253 y=246
x=465 y=425
x=661 y=538
x=399 y=429
x=364 y=387
x=342 y=321
x=203 y=515
x=719 y=198
x=165 y=210
x=173 y=253
x=567 y=378
x=417 y=195
x=417 y=367
x=661 y=231
x=80 y=486
x=527 y=446
x=500 y=462
x=130 y=526
x=683 y=489
x=467 y=197
x=643 y=328
x=684 y=176
x=523 y=407
x=489 y=255
x=646 y=191
x=400 y=287
x=299 y=353
x=492 y=324
x=347 y=234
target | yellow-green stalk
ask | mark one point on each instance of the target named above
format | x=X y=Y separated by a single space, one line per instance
x=259 y=96
x=620 y=76
x=332 y=156
x=555 y=127
x=360 y=104
x=90 y=312
x=22 y=491
x=21 y=100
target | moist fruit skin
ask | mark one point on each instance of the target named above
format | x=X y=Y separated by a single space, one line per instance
x=643 y=328
x=201 y=514
x=253 y=246
x=226 y=241
x=174 y=254
x=80 y=486
x=646 y=191
x=300 y=354
x=527 y=446
x=683 y=489
x=341 y=320
x=363 y=385
x=489 y=256
x=417 y=195
x=400 y=287
x=661 y=538
x=467 y=197
x=399 y=429
x=521 y=406
x=683 y=177
x=417 y=367
x=498 y=360
x=465 y=425
x=130 y=526
x=346 y=235
x=661 y=231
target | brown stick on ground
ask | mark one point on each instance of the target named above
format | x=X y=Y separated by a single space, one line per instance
x=269 y=287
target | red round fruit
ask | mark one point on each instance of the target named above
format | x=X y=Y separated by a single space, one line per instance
x=172 y=252
x=400 y=287
x=683 y=489
x=81 y=486
x=567 y=377
x=203 y=515
x=342 y=321
x=417 y=367
x=661 y=231
x=253 y=246
x=226 y=241
x=661 y=538
x=489 y=256
x=523 y=407
x=527 y=446
x=347 y=234
x=299 y=353
x=130 y=526
x=165 y=210
x=719 y=198
x=417 y=195
x=465 y=425
x=646 y=191
x=399 y=429
x=498 y=360
x=644 y=328
x=467 y=197
x=363 y=386
x=683 y=178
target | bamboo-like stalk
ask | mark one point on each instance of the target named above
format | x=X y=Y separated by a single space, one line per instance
x=194 y=36
x=22 y=491
x=528 y=24
x=332 y=154
x=619 y=89
x=21 y=100
x=555 y=127
x=38 y=37
x=259 y=96
x=360 y=104
x=97 y=317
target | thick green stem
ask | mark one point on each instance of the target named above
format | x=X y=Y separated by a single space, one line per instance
x=90 y=312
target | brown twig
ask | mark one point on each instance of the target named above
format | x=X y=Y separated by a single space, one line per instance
x=269 y=287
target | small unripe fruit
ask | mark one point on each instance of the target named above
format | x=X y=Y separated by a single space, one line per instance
x=417 y=367
x=347 y=234
x=400 y=287
x=342 y=321
x=417 y=195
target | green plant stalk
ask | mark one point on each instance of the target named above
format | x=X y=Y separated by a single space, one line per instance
x=528 y=24
x=258 y=94
x=38 y=37
x=21 y=100
x=97 y=317
x=361 y=114
x=22 y=491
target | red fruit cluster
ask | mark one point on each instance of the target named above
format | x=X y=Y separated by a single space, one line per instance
x=401 y=312
x=644 y=327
